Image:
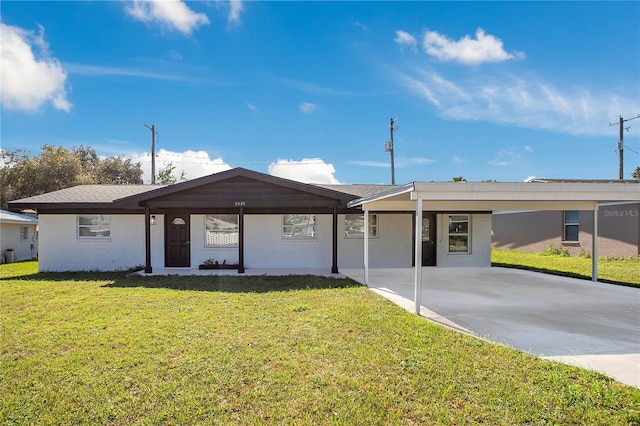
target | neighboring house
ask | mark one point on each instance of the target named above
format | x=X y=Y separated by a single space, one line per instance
x=244 y=219
x=18 y=238
x=534 y=232
x=618 y=229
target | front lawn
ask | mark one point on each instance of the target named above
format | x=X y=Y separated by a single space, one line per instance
x=117 y=349
x=619 y=271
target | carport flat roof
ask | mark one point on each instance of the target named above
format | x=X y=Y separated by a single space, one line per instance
x=491 y=196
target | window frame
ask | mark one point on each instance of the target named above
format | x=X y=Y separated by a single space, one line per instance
x=206 y=231
x=374 y=226
x=458 y=235
x=24 y=233
x=290 y=236
x=104 y=218
x=574 y=223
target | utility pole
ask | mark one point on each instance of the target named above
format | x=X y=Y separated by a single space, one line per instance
x=621 y=143
x=153 y=151
x=388 y=147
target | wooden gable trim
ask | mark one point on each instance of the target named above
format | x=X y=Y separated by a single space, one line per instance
x=239 y=188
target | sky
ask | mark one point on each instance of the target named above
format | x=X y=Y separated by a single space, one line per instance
x=500 y=91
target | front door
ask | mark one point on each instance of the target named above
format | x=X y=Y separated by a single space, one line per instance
x=177 y=252
x=428 y=239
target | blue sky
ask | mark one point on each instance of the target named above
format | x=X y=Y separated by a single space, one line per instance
x=305 y=90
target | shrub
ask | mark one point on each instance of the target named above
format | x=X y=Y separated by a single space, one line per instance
x=584 y=254
x=556 y=251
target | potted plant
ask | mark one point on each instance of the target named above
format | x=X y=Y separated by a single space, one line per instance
x=214 y=264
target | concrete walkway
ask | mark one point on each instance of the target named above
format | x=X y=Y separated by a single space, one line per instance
x=591 y=325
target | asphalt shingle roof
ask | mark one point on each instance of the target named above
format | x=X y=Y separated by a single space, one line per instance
x=89 y=194
x=359 y=190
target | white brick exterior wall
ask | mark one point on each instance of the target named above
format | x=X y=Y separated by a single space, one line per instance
x=265 y=248
x=392 y=248
x=480 y=254
x=61 y=250
x=10 y=239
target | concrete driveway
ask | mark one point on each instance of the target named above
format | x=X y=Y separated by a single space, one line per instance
x=592 y=325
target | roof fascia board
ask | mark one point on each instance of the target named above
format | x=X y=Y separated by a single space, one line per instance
x=529 y=191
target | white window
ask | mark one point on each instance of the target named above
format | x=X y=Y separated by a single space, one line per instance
x=571 y=225
x=354 y=226
x=298 y=226
x=459 y=233
x=221 y=230
x=94 y=226
x=24 y=233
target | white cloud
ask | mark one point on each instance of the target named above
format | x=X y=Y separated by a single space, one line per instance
x=235 y=8
x=468 y=51
x=313 y=88
x=307 y=170
x=367 y=163
x=175 y=55
x=307 y=107
x=172 y=14
x=524 y=100
x=399 y=163
x=528 y=149
x=405 y=39
x=457 y=159
x=252 y=107
x=361 y=26
x=194 y=164
x=505 y=157
x=30 y=79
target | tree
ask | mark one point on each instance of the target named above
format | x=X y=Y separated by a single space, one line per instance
x=459 y=179
x=117 y=171
x=636 y=173
x=165 y=175
x=24 y=175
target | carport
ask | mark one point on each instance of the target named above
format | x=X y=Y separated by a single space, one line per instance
x=488 y=197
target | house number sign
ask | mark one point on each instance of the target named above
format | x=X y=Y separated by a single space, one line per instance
x=239 y=204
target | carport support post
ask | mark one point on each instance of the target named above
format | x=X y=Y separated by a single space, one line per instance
x=418 y=260
x=334 y=242
x=147 y=240
x=366 y=244
x=594 y=244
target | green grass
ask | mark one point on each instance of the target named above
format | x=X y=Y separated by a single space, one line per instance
x=117 y=349
x=618 y=271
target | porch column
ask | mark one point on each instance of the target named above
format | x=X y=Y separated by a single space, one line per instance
x=334 y=265
x=594 y=244
x=366 y=244
x=241 y=241
x=147 y=240
x=418 y=259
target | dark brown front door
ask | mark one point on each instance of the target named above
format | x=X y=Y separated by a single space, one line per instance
x=428 y=239
x=177 y=252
